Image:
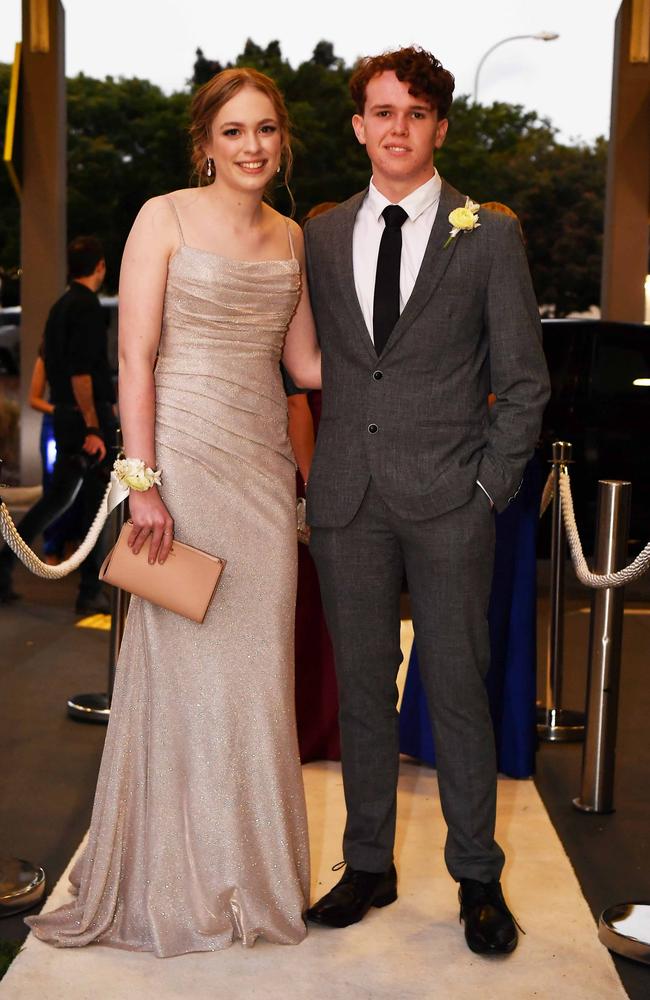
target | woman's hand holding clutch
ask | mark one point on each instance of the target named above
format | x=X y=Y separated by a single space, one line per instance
x=151 y=521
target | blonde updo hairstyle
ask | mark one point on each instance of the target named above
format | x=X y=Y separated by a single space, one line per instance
x=212 y=96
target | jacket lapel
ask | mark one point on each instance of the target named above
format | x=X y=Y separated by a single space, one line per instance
x=434 y=264
x=345 y=269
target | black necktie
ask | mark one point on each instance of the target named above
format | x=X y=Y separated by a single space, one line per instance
x=385 y=310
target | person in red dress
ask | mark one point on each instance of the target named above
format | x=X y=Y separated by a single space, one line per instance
x=317 y=703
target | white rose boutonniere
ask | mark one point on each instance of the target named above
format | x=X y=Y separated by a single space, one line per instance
x=463 y=220
x=133 y=474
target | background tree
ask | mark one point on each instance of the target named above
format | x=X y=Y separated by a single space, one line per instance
x=204 y=69
x=128 y=142
x=503 y=153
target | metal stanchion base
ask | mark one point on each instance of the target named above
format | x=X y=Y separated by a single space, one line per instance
x=89 y=707
x=625 y=929
x=560 y=725
x=586 y=807
x=21 y=885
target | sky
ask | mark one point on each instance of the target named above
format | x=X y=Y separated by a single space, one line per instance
x=567 y=80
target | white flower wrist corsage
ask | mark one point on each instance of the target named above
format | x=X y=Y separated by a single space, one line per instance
x=130 y=474
x=463 y=220
x=133 y=474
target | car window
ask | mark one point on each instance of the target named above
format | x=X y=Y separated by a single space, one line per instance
x=622 y=365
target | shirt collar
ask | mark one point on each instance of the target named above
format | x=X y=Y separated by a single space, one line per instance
x=414 y=204
x=76 y=286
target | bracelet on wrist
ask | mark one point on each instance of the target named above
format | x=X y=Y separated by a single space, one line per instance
x=133 y=474
x=97 y=431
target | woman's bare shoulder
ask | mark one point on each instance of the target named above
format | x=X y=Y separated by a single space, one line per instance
x=297 y=238
x=155 y=223
x=296 y=231
x=156 y=212
x=161 y=206
x=283 y=222
x=186 y=197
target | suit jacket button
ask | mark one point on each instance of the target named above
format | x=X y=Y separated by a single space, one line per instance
x=372 y=428
x=377 y=376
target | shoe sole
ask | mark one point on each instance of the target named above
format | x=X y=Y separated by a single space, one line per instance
x=505 y=949
x=384 y=900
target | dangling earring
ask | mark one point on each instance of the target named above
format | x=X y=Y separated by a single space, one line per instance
x=279 y=168
x=209 y=169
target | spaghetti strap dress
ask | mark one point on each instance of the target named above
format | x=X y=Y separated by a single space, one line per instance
x=198 y=834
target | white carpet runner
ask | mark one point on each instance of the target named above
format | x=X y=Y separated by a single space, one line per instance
x=412 y=950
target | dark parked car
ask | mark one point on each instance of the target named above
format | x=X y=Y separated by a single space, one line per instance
x=600 y=402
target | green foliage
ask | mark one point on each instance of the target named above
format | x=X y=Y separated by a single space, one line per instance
x=503 y=153
x=204 y=69
x=128 y=142
x=330 y=165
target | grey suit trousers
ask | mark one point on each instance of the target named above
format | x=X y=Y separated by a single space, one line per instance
x=448 y=562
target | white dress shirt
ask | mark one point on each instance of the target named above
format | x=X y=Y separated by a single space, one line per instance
x=421 y=206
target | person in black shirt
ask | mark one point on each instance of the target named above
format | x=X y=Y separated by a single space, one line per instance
x=81 y=390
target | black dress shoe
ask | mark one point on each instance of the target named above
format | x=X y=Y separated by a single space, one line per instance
x=351 y=898
x=97 y=604
x=490 y=928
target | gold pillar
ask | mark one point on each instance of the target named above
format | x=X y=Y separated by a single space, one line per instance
x=43 y=206
x=627 y=205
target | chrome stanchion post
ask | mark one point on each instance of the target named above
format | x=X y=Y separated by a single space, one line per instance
x=97 y=707
x=554 y=723
x=22 y=884
x=625 y=927
x=605 y=640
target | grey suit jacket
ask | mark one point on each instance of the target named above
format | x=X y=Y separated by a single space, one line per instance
x=416 y=418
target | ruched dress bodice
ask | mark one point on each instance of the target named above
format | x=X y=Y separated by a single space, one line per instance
x=199 y=835
x=227 y=347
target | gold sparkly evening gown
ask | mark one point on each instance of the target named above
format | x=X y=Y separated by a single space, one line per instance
x=198 y=835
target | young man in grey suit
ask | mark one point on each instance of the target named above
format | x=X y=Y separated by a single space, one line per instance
x=419 y=318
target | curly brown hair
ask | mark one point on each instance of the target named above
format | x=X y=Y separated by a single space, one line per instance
x=212 y=96
x=425 y=74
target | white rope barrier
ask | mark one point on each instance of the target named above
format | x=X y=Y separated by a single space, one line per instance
x=584 y=574
x=9 y=532
x=636 y=569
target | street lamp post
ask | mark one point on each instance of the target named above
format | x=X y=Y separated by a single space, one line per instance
x=541 y=36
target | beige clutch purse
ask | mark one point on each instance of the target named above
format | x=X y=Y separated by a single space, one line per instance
x=184 y=583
